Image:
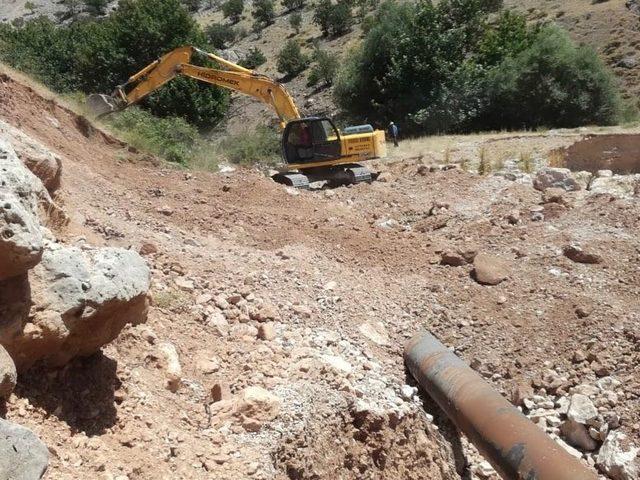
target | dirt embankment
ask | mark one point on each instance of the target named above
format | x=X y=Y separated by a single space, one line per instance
x=286 y=313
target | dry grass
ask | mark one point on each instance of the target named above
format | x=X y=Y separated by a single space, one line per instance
x=556 y=159
x=525 y=162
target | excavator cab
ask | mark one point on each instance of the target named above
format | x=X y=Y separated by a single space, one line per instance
x=310 y=140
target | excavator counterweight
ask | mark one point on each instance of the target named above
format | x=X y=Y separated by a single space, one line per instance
x=313 y=148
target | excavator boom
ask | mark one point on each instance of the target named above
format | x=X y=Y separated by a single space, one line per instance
x=178 y=62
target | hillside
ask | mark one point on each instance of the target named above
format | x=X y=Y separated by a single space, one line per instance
x=611 y=27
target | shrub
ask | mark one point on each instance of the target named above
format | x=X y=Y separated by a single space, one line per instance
x=261 y=145
x=295 y=20
x=451 y=67
x=551 y=83
x=232 y=9
x=291 y=60
x=96 y=7
x=323 y=69
x=253 y=59
x=94 y=56
x=263 y=13
x=220 y=35
x=333 y=20
x=290 y=5
x=171 y=138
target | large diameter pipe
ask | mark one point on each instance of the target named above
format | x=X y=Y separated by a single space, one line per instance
x=516 y=448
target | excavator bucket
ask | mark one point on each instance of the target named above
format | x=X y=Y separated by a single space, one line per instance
x=100 y=104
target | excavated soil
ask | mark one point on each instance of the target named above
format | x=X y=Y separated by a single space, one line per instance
x=618 y=153
x=351 y=274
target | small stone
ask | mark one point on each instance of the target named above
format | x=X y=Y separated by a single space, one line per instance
x=220 y=391
x=376 y=332
x=147 y=248
x=582 y=409
x=208 y=365
x=266 y=331
x=185 y=284
x=337 y=364
x=576 y=254
x=265 y=313
x=489 y=269
x=165 y=210
x=453 y=259
x=257 y=406
x=520 y=393
x=579 y=356
x=173 y=369
x=302 y=310
x=577 y=435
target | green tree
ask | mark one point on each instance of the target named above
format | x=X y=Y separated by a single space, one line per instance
x=232 y=9
x=94 y=56
x=291 y=61
x=253 y=59
x=220 y=35
x=291 y=5
x=333 y=20
x=263 y=13
x=450 y=66
x=295 y=20
x=551 y=83
x=324 y=68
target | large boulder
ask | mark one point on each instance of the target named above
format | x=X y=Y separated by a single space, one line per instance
x=21 y=193
x=22 y=455
x=81 y=300
x=622 y=186
x=550 y=177
x=618 y=458
x=42 y=162
x=8 y=375
x=21 y=242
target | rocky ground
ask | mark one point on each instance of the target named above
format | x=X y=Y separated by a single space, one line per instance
x=273 y=345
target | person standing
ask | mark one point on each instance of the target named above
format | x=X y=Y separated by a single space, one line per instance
x=393 y=133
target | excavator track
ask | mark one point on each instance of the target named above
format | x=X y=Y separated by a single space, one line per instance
x=349 y=174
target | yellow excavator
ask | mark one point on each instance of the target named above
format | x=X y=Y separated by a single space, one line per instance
x=313 y=149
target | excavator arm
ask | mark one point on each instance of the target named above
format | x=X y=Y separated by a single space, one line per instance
x=178 y=62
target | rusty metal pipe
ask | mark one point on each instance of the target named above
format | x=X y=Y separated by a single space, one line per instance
x=515 y=447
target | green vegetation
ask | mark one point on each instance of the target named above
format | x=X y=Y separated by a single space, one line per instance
x=333 y=20
x=261 y=145
x=463 y=65
x=263 y=13
x=295 y=20
x=232 y=9
x=220 y=35
x=324 y=68
x=94 y=56
x=171 y=138
x=253 y=59
x=290 y=5
x=291 y=60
